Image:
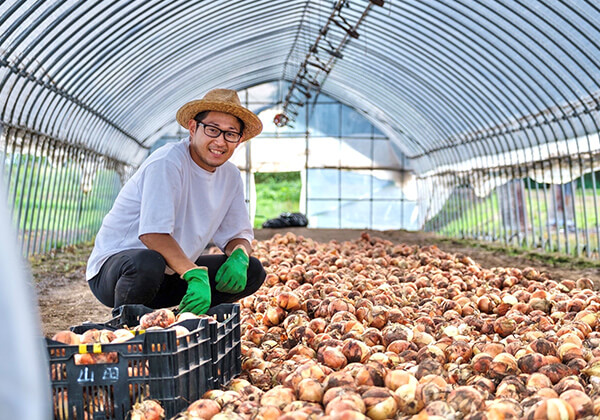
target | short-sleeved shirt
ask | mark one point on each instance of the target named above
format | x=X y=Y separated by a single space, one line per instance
x=171 y=194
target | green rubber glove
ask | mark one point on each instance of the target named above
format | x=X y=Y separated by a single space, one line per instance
x=197 y=297
x=232 y=275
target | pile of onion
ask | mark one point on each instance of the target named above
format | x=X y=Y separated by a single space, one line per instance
x=372 y=329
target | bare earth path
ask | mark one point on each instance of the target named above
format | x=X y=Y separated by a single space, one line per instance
x=65 y=299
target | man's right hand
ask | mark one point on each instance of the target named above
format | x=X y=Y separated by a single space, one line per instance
x=197 y=297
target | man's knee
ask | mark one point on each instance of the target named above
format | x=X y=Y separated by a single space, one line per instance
x=256 y=275
x=140 y=280
x=145 y=264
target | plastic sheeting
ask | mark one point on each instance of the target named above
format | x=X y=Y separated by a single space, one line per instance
x=485 y=90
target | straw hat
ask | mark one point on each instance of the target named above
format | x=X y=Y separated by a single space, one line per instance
x=222 y=100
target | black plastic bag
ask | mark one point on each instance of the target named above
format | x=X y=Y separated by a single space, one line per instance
x=287 y=220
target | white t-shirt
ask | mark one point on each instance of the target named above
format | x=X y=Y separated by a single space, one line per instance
x=171 y=194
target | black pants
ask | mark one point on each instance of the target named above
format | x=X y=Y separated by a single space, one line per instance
x=137 y=276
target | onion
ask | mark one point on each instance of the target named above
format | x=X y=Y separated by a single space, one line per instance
x=274 y=315
x=213 y=394
x=237 y=384
x=346 y=415
x=227 y=416
x=184 y=316
x=90 y=336
x=318 y=325
x=554 y=409
x=159 y=318
x=380 y=403
x=466 y=399
x=122 y=335
x=278 y=396
x=229 y=397
x=310 y=390
x=396 y=378
x=66 y=337
x=345 y=401
x=581 y=403
x=302 y=349
x=180 y=330
x=332 y=357
x=288 y=301
x=147 y=410
x=372 y=337
x=372 y=374
x=203 y=408
x=268 y=412
x=255 y=335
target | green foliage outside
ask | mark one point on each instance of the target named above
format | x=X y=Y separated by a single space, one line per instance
x=276 y=193
x=49 y=207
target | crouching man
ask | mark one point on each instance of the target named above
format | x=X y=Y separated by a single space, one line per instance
x=185 y=194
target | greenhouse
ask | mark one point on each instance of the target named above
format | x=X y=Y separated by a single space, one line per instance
x=473 y=119
x=466 y=119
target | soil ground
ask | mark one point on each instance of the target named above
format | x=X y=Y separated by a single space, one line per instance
x=65 y=299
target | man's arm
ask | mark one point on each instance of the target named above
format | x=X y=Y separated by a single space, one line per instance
x=234 y=243
x=168 y=247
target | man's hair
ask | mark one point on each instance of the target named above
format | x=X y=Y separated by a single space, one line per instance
x=201 y=115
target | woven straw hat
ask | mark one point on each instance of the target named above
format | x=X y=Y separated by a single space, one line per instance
x=222 y=100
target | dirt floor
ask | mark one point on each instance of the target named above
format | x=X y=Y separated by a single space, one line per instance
x=65 y=299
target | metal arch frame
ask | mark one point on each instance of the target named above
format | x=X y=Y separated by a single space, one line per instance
x=189 y=67
x=500 y=115
x=397 y=82
x=123 y=93
x=568 y=121
x=305 y=10
x=72 y=107
x=333 y=56
x=597 y=129
x=522 y=83
x=45 y=84
x=444 y=69
x=526 y=133
x=519 y=168
x=73 y=101
x=114 y=52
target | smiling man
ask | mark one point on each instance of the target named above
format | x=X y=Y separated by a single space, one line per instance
x=185 y=195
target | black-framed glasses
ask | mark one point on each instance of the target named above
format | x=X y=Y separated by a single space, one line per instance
x=214 y=132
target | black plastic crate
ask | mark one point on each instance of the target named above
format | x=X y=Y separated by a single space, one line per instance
x=225 y=343
x=155 y=365
x=225 y=336
x=128 y=315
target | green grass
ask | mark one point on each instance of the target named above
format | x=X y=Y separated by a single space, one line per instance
x=49 y=207
x=276 y=193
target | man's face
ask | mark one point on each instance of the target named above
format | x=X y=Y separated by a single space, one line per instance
x=210 y=153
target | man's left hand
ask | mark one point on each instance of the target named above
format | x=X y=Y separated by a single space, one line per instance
x=232 y=275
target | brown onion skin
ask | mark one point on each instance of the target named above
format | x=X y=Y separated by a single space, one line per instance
x=355 y=350
x=553 y=408
x=204 y=408
x=581 y=403
x=555 y=371
x=466 y=399
x=531 y=363
x=427 y=314
x=380 y=403
x=67 y=337
x=310 y=390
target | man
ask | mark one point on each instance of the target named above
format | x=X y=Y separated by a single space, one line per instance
x=148 y=250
